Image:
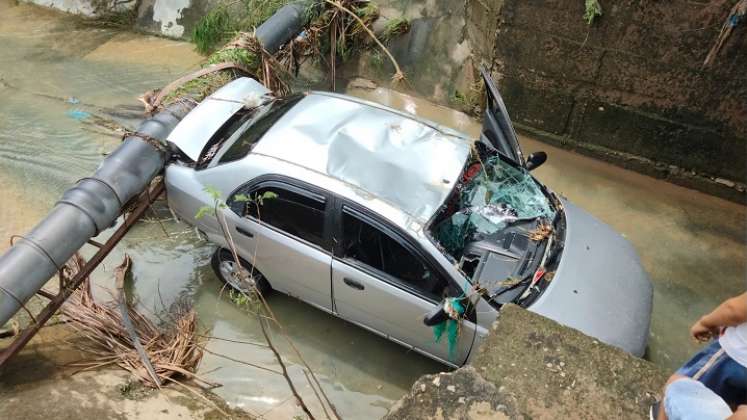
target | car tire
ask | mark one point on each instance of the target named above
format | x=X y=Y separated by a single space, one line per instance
x=224 y=266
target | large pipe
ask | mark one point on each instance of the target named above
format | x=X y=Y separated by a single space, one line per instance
x=85 y=210
x=282 y=26
x=94 y=203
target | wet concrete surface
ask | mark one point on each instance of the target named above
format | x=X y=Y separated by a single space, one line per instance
x=692 y=245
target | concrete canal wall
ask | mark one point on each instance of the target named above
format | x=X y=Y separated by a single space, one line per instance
x=630 y=88
x=532 y=367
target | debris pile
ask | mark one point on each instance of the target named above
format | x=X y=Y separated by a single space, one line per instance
x=172 y=350
x=333 y=31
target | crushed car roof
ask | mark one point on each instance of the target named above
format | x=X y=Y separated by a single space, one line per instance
x=407 y=162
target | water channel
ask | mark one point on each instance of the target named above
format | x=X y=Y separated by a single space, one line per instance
x=57 y=76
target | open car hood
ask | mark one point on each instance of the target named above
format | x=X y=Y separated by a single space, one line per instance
x=196 y=129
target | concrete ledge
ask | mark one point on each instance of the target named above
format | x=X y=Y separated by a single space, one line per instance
x=532 y=367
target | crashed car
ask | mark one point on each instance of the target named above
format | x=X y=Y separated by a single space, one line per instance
x=379 y=217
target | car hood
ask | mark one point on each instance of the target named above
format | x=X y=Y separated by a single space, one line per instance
x=196 y=129
x=600 y=287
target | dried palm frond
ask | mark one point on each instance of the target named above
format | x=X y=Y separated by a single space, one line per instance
x=541 y=232
x=269 y=70
x=174 y=350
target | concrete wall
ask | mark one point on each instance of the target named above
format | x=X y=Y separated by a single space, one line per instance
x=632 y=82
x=89 y=8
x=172 y=18
x=532 y=367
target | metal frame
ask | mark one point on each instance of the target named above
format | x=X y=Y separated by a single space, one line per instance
x=140 y=206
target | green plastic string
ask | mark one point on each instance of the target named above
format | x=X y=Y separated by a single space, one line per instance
x=451 y=328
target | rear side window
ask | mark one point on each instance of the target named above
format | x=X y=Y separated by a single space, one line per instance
x=257 y=128
x=295 y=212
x=376 y=249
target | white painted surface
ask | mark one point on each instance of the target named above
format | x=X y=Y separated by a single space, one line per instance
x=166 y=12
x=83 y=7
x=78 y=7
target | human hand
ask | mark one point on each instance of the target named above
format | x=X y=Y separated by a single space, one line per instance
x=702 y=333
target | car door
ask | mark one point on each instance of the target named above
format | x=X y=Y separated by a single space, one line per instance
x=382 y=282
x=282 y=231
x=497 y=127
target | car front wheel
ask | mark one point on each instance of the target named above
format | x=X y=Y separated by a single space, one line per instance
x=225 y=267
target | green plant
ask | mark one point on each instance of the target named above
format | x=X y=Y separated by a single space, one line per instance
x=258 y=11
x=471 y=101
x=592 y=10
x=235 y=55
x=215 y=194
x=395 y=27
x=215 y=27
x=218 y=203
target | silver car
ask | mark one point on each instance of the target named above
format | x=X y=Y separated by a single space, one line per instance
x=377 y=216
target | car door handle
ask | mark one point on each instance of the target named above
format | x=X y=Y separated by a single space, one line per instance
x=244 y=232
x=354 y=284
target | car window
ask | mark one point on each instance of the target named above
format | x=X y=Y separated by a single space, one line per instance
x=297 y=214
x=367 y=244
x=254 y=130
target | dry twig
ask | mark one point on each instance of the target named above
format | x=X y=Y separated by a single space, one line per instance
x=540 y=233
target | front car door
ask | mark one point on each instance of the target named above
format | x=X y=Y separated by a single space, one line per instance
x=497 y=127
x=282 y=231
x=382 y=282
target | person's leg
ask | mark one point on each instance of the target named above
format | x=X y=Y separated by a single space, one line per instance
x=662 y=414
x=688 y=399
x=695 y=366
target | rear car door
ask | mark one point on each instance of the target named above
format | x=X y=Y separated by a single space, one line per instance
x=282 y=231
x=497 y=127
x=385 y=284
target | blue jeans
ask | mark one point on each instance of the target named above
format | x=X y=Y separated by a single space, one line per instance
x=719 y=373
x=688 y=399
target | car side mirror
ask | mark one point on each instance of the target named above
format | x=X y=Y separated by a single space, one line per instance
x=436 y=316
x=535 y=160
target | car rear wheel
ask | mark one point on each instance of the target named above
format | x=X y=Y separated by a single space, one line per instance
x=225 y=267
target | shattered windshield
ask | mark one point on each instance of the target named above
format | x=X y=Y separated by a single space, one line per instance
x=492 y=194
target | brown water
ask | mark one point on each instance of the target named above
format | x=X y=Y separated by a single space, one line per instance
x=49 y=62
x=692 y=245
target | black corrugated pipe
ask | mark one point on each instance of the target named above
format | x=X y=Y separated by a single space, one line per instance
x=286 y=23
x=95 y=203
x=85 y=210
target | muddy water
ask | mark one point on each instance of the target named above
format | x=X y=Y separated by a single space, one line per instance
x=55 y=72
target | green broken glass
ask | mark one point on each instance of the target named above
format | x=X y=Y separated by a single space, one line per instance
x=497 y=195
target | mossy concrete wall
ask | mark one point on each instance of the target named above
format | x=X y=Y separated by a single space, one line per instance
x=632 y=84
x=532 y=367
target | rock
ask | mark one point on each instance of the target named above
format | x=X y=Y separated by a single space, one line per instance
x=523 y=354
x=476 y=399
x=361 y=83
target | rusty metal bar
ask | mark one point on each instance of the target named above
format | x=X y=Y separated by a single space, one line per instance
x=46 y=294
x=144 y=202
x=94 y=243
